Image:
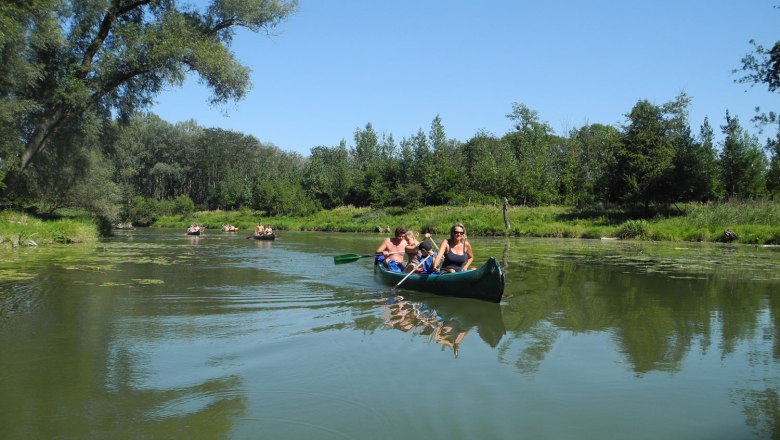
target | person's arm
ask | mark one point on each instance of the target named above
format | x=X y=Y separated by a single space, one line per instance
x=440 y=255
x=470 y=254
x=383 y=247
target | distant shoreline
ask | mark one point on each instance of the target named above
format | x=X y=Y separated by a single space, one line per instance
x=746 y=222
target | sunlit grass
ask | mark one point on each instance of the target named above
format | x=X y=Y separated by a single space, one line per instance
x=740 y=222
x=17 y=229
x=750 y=222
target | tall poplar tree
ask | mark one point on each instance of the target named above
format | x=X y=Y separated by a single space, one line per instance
x=532 y=143
x=742 y=161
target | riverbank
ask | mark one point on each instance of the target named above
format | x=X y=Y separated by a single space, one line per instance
x=17 y=229
x=737 y=222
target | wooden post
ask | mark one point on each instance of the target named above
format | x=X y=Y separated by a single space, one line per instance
x=506 y=216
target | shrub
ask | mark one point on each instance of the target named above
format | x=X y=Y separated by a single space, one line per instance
x=183 y=206
x=634 y=230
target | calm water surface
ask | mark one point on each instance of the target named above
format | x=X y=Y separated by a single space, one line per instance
x=152 y=334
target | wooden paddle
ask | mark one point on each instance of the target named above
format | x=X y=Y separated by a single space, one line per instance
x=349 y=258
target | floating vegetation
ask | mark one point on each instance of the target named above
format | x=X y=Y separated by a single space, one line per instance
x=91 y=267
x=146 y=281
x=13 y=275
x=112 y=284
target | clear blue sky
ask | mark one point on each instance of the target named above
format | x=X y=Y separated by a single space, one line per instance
x=336 y=65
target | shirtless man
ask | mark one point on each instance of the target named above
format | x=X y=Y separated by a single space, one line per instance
x=393 y=249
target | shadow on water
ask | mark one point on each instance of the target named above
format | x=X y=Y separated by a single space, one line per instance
x=445 y=321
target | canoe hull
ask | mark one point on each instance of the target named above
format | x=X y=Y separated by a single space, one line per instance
x=486 y=283
x=266 y=237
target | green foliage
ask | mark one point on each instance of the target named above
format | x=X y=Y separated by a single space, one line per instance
x=535 y=153
x=328 y=175
x=762 y=67
x=72 y=58
x=697 y=168
x=588 y=160
x=644 y=161
x=634 y=230
x=183 y=205
x=773 y=174
x=140 y=211
x=742 y=162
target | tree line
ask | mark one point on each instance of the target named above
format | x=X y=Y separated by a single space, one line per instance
x=145 y=166
x=77 y=74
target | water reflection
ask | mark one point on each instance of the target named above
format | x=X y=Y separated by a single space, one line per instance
x=262 y=243
x=216 y=335
x=444 y=321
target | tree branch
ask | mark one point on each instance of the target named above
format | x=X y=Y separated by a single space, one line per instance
x=115 y=11
x=223 y=25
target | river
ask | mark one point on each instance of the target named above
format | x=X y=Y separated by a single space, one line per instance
x=153 y=334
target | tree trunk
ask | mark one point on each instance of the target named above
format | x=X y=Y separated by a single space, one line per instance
x=40 y=137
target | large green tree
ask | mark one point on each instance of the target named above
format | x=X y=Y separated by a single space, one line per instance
x=645 y=159
x=328 y=175
x=591 y=154
x=445 y=174
x=77 y=56
x=533 y=143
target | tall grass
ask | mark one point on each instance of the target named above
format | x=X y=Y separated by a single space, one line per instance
x=733 y=213
x=17 y=229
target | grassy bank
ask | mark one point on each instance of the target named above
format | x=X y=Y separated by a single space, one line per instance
x=739 y=222
x=18 y=229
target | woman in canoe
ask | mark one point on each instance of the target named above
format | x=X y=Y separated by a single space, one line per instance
x=455 y=253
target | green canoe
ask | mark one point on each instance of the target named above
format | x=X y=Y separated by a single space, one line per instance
x=485 y=283
x=268 y=237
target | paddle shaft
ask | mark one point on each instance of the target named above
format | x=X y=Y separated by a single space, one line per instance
x=415 y=268
x=351 y=258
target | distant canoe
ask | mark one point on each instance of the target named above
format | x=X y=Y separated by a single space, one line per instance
x=193 y=232
x=485 y=283
x=267 y=237
x=231 y=229
x=121 y=227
